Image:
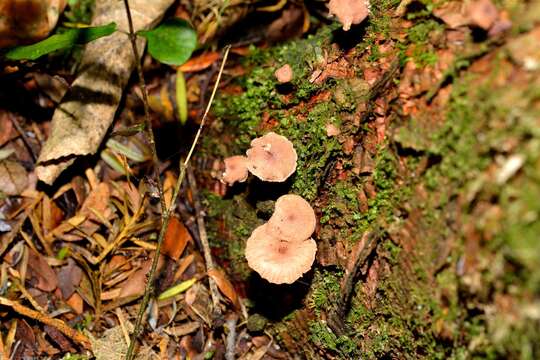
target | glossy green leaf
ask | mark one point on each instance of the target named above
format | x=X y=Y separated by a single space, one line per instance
x=172 y=42
x=60 y=41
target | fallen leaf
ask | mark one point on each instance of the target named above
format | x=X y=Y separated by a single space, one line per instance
x=200 y=62
x=87 y=110
x=176 y=239
x=69 y=277
x=40 y=270
x=76 y=303
x=13 y=177
x=97 y=202
x=224 y=285
x=135 y=284
x=59 y=338
x=177 y=289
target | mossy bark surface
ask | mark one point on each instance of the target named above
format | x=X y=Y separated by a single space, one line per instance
x=427 y=198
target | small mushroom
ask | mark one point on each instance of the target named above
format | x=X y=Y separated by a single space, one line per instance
x=279 y=261
x=349 y=12
x=284 y=74
x=271 y=158
x=293 y=218
x=235 y=169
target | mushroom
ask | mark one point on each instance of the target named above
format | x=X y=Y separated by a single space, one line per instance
x=293 y=218
x=349 y=12
x=279 y=261
x=284 y=74
x=271 y=158
x=235 y=169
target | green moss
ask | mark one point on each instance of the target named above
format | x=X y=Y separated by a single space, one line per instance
x=324 y=338
x=240 y=219
x=325 y=290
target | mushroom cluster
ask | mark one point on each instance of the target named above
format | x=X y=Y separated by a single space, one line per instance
x=271 y=158
x=282 y=249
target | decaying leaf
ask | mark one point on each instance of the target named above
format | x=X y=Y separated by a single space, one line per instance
x=87 y=110
x=13 y=177
x=38 y=269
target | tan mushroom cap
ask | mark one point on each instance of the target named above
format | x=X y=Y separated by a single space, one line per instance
x=284 y=74
x=235 y=169
x=278 y=261
x=293 y=218
x=349 y=12
x=271 y=158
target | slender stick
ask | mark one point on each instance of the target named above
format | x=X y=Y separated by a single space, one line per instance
x=204 y=240
x=166 y=215
x=147 y=120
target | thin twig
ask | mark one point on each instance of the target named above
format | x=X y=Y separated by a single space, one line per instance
x=204 y=240
x=25 y=139
x=63 y=327
x=230 y=324
x=166 y=216
x=147 y=120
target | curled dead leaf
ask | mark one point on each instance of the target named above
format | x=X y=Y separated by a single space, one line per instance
x=224 y=285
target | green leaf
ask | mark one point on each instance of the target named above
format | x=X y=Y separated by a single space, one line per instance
x=60 y=41
x=172 y=42
x=177 y=289
x=181 y=97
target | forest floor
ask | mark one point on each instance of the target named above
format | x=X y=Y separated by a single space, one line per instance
x=418 y=142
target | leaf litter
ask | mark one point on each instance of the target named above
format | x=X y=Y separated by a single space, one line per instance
x=75 y=257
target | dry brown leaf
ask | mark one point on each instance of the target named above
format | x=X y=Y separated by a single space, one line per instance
x=76 y=303
x=27 y=21
x=136 y=283
x=39 y=269
x=224 y=286
x=13 y=177
x=97 y=202
x=69 y=277
x=176 y=239
x=87 y=110
x=200 y=62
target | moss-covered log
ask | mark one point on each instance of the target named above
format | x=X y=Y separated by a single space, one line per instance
x=419 y=147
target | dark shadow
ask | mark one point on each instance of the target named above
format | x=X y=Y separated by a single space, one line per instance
x=277 y=301
x=259 y=190
x=88 y=96
x=285 y=89
x=478 y=34
x=349 y=39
